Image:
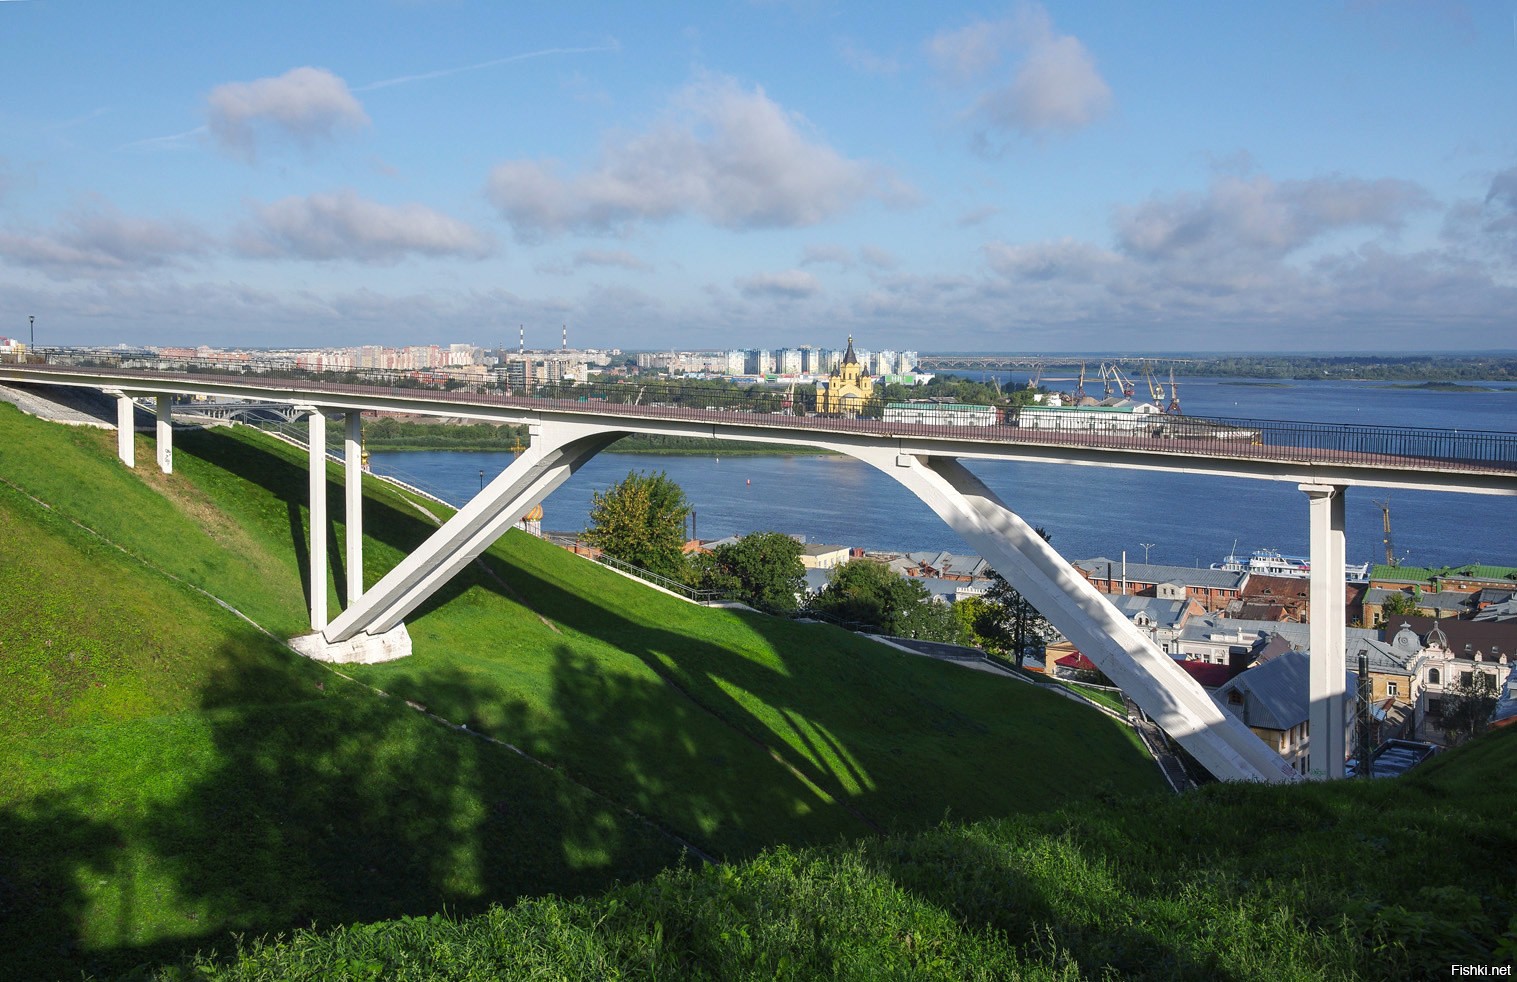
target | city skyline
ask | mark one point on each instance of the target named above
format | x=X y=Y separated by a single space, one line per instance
x=1013 y=177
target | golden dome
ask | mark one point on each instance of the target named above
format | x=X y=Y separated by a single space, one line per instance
x=535 y=515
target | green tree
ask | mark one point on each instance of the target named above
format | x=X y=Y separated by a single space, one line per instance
x=869 y=594
x=1401 y=604
x=980 y=624
x=1021 y=628
x=1466 y=707
x=642 y=521
x=763 y=569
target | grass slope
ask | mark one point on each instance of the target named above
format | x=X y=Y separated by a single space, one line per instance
x=1395 y=879
x=174 y=773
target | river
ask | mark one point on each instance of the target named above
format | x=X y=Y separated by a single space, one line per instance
x=1169 y=518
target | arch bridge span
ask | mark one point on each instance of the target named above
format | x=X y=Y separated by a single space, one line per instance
x=924 y=455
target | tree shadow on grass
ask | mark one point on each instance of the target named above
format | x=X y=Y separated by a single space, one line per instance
x=334 y=805
x=49 y=847
x=789 y=741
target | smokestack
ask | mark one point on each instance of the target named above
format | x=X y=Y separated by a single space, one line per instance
x=521 y=339
x=566 y=338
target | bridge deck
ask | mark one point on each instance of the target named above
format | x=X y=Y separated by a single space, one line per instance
x=1212 y=440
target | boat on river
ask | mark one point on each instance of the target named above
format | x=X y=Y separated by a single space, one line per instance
x=1269 y=562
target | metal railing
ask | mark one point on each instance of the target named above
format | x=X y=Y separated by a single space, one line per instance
x=797 y=407
x=673 y=586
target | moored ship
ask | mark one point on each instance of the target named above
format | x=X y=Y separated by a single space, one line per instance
x=1269 y=562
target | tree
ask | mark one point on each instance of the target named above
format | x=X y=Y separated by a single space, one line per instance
x=870 y=594
x=1021 y=627
x=1466 y=707
x=763 y=569
x=642 y=521
x=1400 y=604
x=980 y=623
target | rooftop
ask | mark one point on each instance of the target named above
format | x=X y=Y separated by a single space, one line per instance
x=1275 y=695
x=1112 y=569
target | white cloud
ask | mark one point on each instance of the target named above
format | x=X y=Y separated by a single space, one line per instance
x=303 y=104
x=822 y=255
x=862 y=60
x=1054 y=84
x=1262 y=217
x=732 y=156
x=97 y=239
x=1303 y=260
x=877 y=257
x=1064 y=259
x=977 y=216
x=969 y=53
x=345 y=226
x=1487 y=229
x=609 y=257
x=790 y=284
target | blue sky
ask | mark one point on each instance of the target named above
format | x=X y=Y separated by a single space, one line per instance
x=1007 y=177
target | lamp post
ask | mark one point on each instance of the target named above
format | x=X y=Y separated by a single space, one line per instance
x=1146 y=546
x=481 y=480
x=31 y=320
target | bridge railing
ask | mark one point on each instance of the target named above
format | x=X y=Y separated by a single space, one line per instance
x=795 y=405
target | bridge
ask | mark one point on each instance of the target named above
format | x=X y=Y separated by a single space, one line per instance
x=993 y=362
x=570 y=424
x=244 y=410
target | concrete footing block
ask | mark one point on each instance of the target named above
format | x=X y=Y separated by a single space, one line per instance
x=361 y=649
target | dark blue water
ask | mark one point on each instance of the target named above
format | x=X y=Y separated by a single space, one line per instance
x=1088 y=511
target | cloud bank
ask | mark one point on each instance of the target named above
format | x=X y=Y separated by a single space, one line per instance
x=346 y=226
x=730 y=156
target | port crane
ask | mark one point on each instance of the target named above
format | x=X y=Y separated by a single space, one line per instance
x=1124 y=383
x=1385 y=521
x=1079 y=393
x=1173 y=408
x=1155 y=388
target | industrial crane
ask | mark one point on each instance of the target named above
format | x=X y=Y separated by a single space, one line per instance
x=1124 y=383
x=1079 y=393
x=1173 y=408
x=1036 y=377
x=1155 y=389
x=1385 y=521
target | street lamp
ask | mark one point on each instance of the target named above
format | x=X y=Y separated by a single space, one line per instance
x=1146 y=546
x=31 y=320
x=481 y=480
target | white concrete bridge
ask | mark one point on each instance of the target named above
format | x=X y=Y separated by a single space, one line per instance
x=567 y=429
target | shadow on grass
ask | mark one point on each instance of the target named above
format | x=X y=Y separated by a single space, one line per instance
x=331 y=806
x=49 y=848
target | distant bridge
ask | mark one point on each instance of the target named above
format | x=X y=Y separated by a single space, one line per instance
x=246 y=410
x=993 y=362
x=569 y=425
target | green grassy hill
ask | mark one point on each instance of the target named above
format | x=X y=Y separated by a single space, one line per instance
x=175 y=774
x=1395 y=879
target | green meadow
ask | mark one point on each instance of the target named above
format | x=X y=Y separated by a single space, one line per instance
x=178 y=779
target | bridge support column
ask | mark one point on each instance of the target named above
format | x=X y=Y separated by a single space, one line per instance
x=317 y=553
x=352 y=473
x=557 y=450
x=164 y=434
x=126 y=427
x=1155 y=682
x=1327 y=675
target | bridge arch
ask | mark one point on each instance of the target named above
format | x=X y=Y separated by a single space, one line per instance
x=561 y=446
